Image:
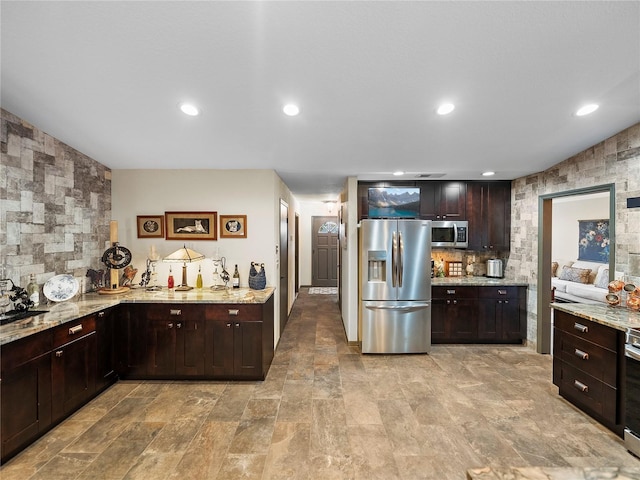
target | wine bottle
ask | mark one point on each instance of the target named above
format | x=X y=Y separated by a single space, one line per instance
x=199 y=278
x=236 y=278
x=170 y=282
x=33 y=290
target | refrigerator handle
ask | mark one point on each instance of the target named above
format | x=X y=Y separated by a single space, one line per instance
x=394 y=248
x=400 y=259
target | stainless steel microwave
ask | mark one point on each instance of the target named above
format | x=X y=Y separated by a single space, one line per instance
x=450 y=233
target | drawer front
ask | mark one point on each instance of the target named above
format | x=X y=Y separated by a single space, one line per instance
x=498 y=292
x=232 y=312
x=168 y=311
x=586 y=392
x=71 y=331
x=21 y=351
x=598 y=362
x=454 y=292
x=587 y=330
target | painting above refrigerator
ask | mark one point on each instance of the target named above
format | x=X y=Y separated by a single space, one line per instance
x=395 y=285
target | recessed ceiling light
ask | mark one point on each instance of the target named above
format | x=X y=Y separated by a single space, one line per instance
x=586 y=110
x=445 y=108
x=398 y=173
x=291 y=109
x=488 y=174
x=189 y=109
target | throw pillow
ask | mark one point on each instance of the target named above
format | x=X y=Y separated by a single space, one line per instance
x=554 y=269
x=578 y=275
x=602 y=279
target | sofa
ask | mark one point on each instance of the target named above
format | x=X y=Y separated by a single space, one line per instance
x=579 y=282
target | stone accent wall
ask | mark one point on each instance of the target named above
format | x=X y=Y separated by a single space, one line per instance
x=615 y=160
x=55 y=206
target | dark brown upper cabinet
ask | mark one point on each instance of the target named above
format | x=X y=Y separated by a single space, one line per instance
x=443 y=200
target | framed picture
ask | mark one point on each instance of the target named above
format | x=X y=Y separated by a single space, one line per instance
x=191 y=225
x=593 y=240
x=150 y=226
x=233 y=226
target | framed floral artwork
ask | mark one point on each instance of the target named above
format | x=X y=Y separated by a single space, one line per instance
x=191 y=225
x=233 y=226
x=150 y=226
x=593 y=240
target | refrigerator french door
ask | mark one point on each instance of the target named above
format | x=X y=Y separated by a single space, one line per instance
x=395 y=285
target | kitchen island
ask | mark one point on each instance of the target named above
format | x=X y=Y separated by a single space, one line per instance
x=554 y=473
x=588 y=358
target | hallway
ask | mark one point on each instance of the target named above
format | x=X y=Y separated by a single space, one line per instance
x=327 y=412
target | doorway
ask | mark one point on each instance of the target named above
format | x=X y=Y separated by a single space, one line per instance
x=284 y=264
x=324 y=251
x=545 y=252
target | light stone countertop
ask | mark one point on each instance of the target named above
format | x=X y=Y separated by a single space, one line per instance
x=475 y=282
x=81 y=305
x=620 y=318
x=554 y=473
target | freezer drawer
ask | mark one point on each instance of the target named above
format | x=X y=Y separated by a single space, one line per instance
x=396 y=327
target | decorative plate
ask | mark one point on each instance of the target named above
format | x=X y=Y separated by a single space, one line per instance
x=61 y=288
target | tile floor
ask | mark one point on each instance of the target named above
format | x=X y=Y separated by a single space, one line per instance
x=327 y=412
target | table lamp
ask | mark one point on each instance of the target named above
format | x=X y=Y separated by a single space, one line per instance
x=184 y=255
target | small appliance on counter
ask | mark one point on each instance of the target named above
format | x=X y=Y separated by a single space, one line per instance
x=495 y=268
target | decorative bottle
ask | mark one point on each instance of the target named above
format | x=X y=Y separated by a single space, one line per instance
x=236 y=278
x=170 y=282
x=33 y=290
x=199 y=278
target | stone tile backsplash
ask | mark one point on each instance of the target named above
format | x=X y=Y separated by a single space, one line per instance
x=55 y=206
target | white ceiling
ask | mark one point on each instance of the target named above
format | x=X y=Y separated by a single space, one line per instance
x=107 y=77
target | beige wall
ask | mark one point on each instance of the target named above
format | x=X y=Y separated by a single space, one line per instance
x=616 y=160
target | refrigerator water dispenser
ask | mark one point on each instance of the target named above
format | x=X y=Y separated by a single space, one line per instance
x=377 y=261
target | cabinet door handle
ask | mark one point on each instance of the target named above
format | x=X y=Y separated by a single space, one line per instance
x=455 y=302
x=499 y=301
x=59 y=353
x=170 y=325
x=581 y=354
x=175 y=312
x=581 y=386
x=506 y=301
x=234 y=312
x=76 y=329
x=237 y=325
x=581 y=328
x=228 y=324
x=179 y=325
x=100 y=314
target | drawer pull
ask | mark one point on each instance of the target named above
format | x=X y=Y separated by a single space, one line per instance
x=59 y=353
x=76 y=329
x=581 y=386
x=502 y=292
x=175 y=312
x=581 y=354
x=234 y=312
x=451 y=292
x=581 y=328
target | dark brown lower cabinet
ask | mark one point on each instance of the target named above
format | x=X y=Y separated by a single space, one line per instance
x=588 y=367
x=175 y=340
x=105 y=339
x=25 y=392
x=478 y=314
x=239 y=341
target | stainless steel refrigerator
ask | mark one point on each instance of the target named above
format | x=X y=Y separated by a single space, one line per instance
x=395 y=285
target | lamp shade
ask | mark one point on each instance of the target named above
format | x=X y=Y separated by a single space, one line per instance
x=184 y=254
